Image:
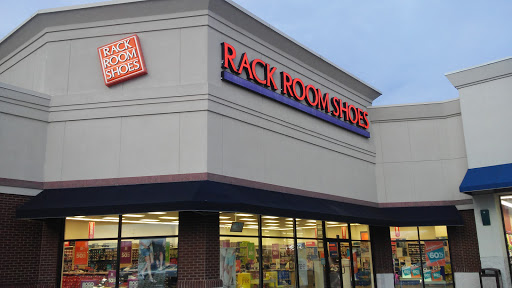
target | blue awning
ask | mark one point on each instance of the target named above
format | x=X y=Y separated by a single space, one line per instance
x=487 y=178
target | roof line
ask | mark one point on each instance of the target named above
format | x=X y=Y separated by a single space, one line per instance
x=237 y=6
x=478 y=66
x=412 y=104
x=66 y=8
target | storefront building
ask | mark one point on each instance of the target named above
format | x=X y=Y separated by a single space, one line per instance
x=190 y=144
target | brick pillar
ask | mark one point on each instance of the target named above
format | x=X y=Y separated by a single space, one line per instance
x=465 y=255
x=198 y=250
x=51 y=250
x=382 y=256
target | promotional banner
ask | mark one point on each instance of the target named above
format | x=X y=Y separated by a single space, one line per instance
x=406 y=272
x=333 y=250
x=111 y=276
x=81 y=252
x=92 y=226
x=244 y=280
x=436 y=275
x=126 y=252
x=275 y=251
x=344 y=232
x=434 y=251
x=251 y=251
x=303 y=264
x=228 y=267
x=427 y=275
x=415 y=272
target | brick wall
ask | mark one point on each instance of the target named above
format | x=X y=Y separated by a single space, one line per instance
x=30 y=247
x=464 y=251
x=381 y=249
x=198 y=248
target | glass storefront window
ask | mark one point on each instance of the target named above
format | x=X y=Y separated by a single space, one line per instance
x=239 y=262
x=246 y=224
x=311 y=263
x=363 y=271
x=150 y=224
x=403 y=233
x=360 y=232
x=339 y=261
x=91 y=227
x=279 y=262
x=277 y=226
x=307 y=228
x=506 y=209
x=424 y=263
x=437 y=267
x=433 y=232
x=150 y=261
x=89 y=262
x=336 y=229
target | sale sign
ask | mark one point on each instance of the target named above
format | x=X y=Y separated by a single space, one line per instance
x=275 y=251
x=436 y=275
x=415 y=271
x=122 y=60
x=81 y=252
x=126 y=252
x=435 y=253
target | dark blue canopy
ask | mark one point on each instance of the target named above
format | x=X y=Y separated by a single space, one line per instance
x=215 y=196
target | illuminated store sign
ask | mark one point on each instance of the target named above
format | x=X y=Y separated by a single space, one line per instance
x=302 y=96
x=122 y=60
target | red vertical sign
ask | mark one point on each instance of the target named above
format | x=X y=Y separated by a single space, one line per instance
x=344 y=232
x=126 y=252
x=275 y=251
x=397 y=232
x=92 y=225
x=81 y=252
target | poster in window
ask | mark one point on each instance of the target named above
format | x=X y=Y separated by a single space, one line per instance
x=81 y=253
x=228 y=267
x=434 y=251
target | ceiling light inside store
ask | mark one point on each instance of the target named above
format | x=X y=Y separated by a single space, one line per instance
x=149 y=220
x=311 y=221
x=310 y=224
x=224 y=217
x=252 y=223
x=245 y=215
x=247 y=219
x=331 y=222
x=92 y=219
x=225 y=221
x=252 y=227
x=289 y=219
x=290 y=223
x=269 y=217
x=502 y=197
x=165 y=217
x=274 y=221
x=133 y=215
x=79 y=216
x=111 y=218
x=156 y=212
x=506 y=204
x=272 y=224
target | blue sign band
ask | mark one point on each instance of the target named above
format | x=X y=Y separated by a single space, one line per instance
x=226 y=76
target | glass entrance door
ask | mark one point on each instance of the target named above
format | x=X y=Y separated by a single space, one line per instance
x=340 y=269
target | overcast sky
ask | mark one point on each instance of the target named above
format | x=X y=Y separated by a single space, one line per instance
x=401 y=47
